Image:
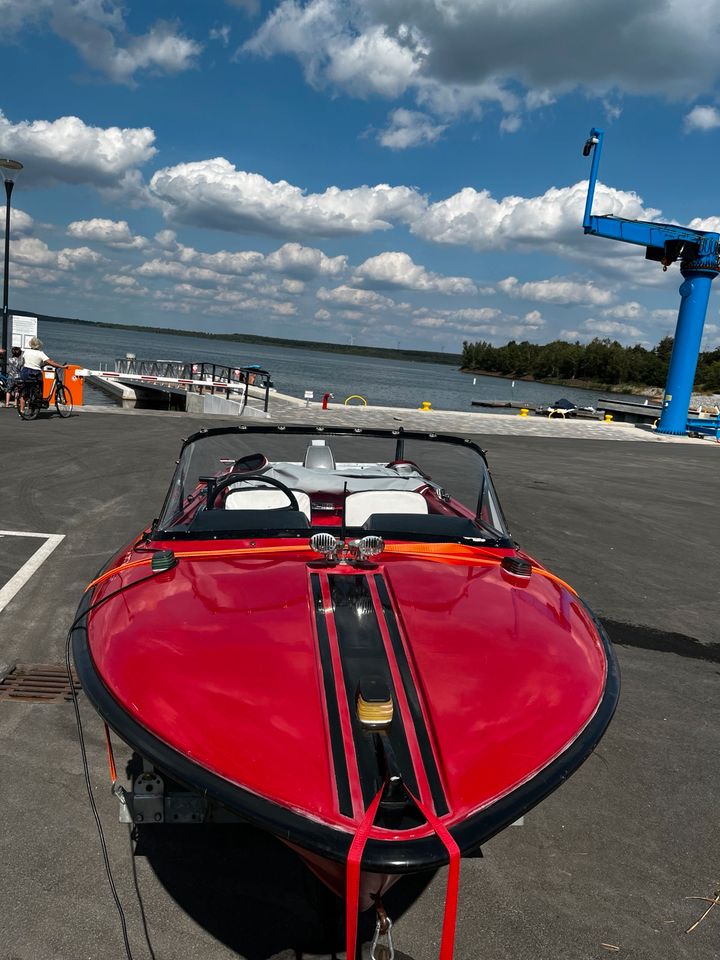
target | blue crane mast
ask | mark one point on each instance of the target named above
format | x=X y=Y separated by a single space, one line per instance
x=698 y=252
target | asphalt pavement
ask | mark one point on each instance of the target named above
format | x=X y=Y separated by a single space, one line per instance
x=602 y=867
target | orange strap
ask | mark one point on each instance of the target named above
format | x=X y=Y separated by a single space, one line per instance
x=110 y=756
x=447 y=944
x=458 y=553
x=352 y=877
x=199 y=555
x=352 y=881
x=438 y=552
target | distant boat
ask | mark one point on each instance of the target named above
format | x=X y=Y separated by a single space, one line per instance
x=566 y=408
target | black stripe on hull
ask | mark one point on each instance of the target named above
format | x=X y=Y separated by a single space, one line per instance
x=363 y=654
x=421 y=731
x=342 y=782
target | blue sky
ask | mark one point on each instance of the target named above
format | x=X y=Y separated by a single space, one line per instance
x=371 y=171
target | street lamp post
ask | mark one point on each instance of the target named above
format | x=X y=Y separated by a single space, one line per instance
x=10 y=170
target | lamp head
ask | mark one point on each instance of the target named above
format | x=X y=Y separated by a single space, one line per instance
x=10 y=169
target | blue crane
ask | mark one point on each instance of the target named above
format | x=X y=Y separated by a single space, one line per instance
x=698 y=252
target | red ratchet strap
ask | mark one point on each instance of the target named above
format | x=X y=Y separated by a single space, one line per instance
x=352 y=885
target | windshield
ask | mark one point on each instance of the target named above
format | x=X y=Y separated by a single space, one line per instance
x=275 y=480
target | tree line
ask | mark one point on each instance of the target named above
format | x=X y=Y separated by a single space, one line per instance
x=602 y=361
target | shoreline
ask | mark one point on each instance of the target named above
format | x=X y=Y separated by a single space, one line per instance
x=636 y=390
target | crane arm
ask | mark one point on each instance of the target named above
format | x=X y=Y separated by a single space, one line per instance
x=664 y=242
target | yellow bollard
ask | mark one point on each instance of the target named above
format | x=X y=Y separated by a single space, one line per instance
x=608 y=418
x=524 y=411
x=425 y=405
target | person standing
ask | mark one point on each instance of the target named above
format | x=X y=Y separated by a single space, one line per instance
x=15 y=365
x=34 y=360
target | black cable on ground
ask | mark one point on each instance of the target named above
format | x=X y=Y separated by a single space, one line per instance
x=131 y=831
x=86 y=769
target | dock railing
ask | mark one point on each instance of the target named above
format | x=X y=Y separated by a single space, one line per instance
x=213 y=378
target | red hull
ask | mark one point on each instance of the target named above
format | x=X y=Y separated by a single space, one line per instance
x=506 y=675
x=332 y=874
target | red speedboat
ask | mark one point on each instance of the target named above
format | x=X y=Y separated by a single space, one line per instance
x=329 y=633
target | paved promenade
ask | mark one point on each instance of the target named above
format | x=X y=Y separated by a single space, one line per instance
x=290 y=410
x=603 y=867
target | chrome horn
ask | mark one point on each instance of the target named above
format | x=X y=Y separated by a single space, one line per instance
x=326 y=544
x=369 y=547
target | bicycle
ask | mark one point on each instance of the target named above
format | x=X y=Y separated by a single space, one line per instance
x=35 y=402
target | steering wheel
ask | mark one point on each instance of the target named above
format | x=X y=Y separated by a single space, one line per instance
x=233 y=478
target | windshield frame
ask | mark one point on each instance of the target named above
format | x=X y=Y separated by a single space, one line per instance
x=487 y=496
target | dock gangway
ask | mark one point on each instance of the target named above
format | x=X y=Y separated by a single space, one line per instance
x=198 y=377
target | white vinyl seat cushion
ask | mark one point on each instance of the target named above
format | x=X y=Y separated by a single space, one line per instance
x=265 y=498
x=359 y=506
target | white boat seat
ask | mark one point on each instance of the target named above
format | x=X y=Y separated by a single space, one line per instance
x=359 y=506
x=264 y=498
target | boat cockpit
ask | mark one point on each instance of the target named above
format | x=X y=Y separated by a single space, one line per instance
x=250 y=494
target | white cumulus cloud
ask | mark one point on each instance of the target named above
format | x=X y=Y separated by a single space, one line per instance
x=409 y=128
x=71 y=257
x=20 y=222
x=632 y=310
x=97 y=30
x=213 y=193
x=433 y=49
x=352 y=297
x=702 y=118
x=237 y=262
x=305 y=262
x=33 y=252
x=510 y=123
x=120 y=280
x=362 y=62
x=67 y=150
x=611 y=328
x=114 y=233
x=396 y=269
x=556 y=290
x=174 y=269
x=477 y=314
x=552 y=220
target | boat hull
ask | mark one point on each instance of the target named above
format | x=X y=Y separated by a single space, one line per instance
x=117 y=667
x=333 y=875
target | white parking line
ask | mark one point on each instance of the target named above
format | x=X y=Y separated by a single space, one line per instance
x=30 y=566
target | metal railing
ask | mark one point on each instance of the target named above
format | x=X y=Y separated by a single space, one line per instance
x=221 y=379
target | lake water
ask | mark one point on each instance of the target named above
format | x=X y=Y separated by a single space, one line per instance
x=394 y=383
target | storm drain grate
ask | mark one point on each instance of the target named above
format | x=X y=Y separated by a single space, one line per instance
x=38 y=683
